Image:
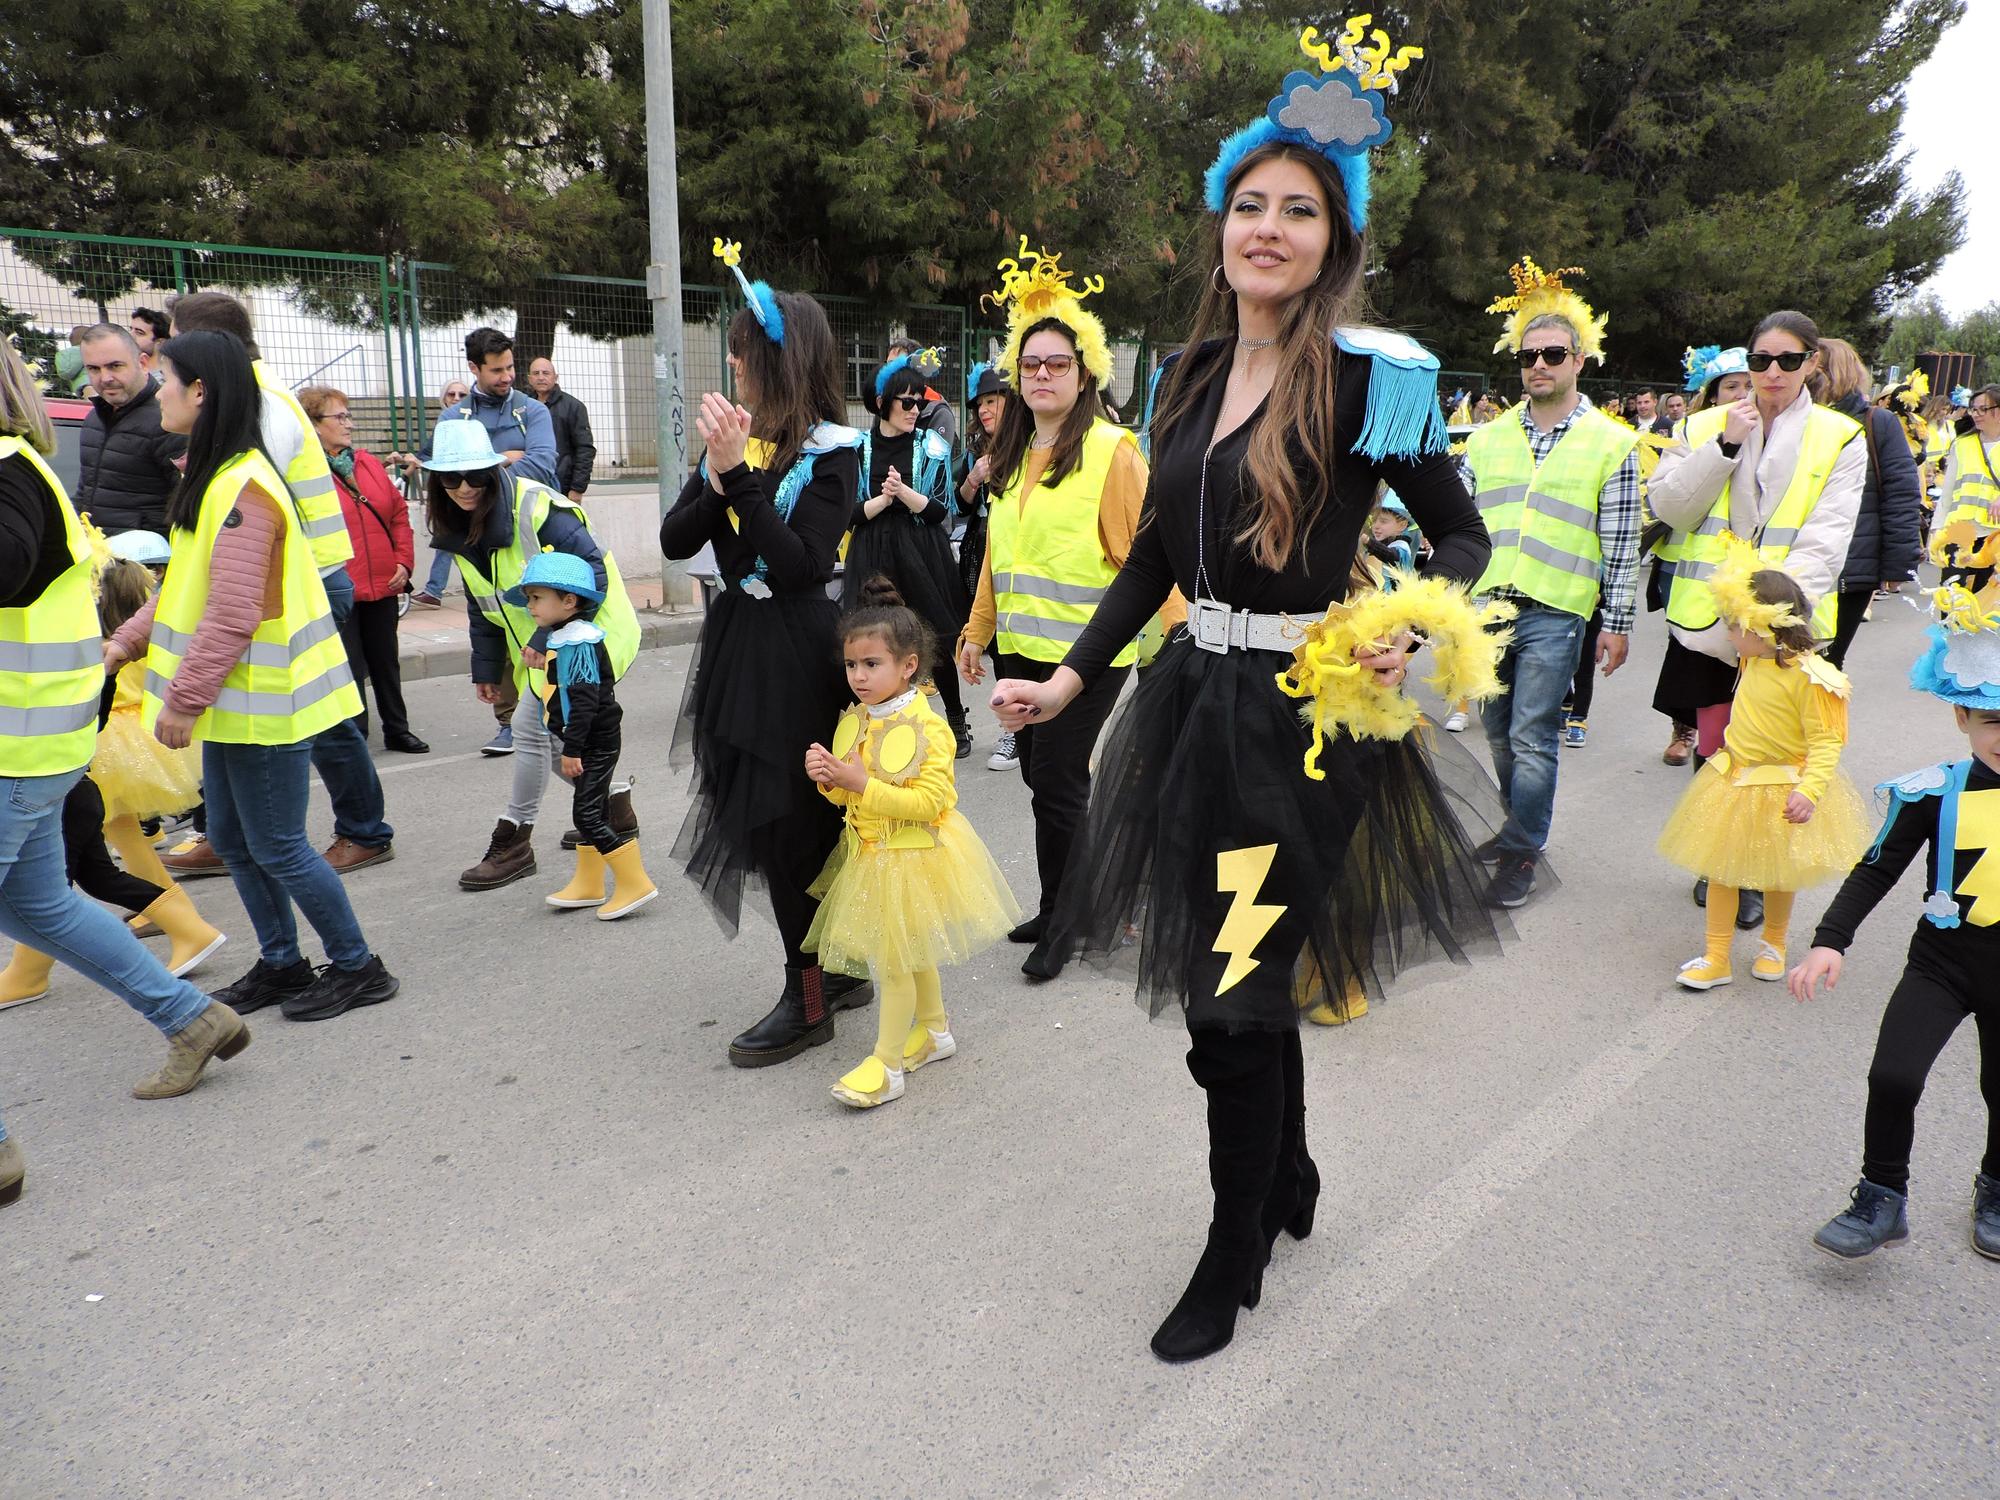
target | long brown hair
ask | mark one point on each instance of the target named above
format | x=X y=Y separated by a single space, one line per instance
x=1297 y=425
x=797 y=384
x=1017 y=422
x=443 y=512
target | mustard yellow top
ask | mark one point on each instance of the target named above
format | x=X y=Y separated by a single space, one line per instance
x=1788 y=724
x=912 y=784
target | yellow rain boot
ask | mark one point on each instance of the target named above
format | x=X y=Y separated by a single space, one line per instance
x=26 y=977
x=629 y=885
x=135 y=851
x=586 y=886
x=193 y=939
x=1323 y=1013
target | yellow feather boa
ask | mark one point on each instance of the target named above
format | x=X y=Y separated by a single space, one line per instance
x=1462 y=635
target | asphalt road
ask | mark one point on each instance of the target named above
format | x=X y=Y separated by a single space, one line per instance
x=523 y=1232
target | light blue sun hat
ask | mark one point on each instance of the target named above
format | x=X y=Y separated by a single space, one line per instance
x=457 y=446
x=564 y=572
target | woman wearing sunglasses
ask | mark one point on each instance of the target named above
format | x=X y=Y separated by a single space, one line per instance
x=902 y=522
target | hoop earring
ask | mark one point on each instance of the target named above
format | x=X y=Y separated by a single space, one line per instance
x=1221 y=290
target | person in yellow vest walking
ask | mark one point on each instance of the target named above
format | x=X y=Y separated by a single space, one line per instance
x=1557 y=484
x=1969 y=495
x=1067 y=485
x=242 y=655
x=51 y=681
x=495 y=520
x=361 y=833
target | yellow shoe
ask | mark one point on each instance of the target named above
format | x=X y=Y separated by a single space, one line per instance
x=923 y=1045
x=193 y=939
x=26 y=977
x=630 y=887
x=1770 y=964
x=1323 y=1014
x=1700 y=974
x=586 y=886
x=869 y=1085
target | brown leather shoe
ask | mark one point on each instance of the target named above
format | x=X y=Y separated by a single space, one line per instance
x=194 y=858
x=217 y=1032
x=509 y=857
x=1680 y=749
x=346 y=856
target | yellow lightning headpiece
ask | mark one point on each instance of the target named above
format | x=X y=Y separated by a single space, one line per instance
x=1034 y=287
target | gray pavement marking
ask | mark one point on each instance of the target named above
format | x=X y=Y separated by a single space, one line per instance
x=1222 y=1402
x=419 y=763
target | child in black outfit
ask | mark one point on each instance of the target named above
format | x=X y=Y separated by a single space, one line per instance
x=561 y=592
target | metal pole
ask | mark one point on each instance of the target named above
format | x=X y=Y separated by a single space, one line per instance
x=663 y=274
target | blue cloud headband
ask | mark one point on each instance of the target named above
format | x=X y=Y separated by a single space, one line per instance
x=762 y=301
x=1338 y=112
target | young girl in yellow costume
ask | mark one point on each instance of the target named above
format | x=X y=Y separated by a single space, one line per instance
x=910 y=888
x=1773 y=811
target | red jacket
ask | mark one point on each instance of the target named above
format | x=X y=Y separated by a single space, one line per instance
x=378 y=523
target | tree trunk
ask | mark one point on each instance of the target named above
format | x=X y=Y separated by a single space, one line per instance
x=537 y=312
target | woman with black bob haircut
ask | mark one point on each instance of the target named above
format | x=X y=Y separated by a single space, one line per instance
x=242 y=655
x=902 y=521
x=1258 y=891
x=773 y=496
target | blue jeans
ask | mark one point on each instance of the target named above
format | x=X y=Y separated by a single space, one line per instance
x=1524 y=725
x=257 y=823
x=341 y=757
x=38 y=908
x=440 y=572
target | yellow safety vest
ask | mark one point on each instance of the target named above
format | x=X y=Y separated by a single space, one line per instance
x=51 y=656
x=1976 y=495
x=1048 y=563
x=1543 y=517
x=615 y=616
x=1690 y=605
x=310 y=480
x=292 y=681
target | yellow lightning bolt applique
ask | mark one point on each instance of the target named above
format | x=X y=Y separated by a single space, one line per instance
x=1241 y=872
x=1978 y=828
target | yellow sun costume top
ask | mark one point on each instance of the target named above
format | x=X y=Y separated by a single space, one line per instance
x=910 y=886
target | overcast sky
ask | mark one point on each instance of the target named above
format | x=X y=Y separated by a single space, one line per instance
x=1949 y=126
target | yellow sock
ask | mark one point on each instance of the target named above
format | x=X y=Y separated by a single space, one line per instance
x=136 y=850
x=1778 y=917
x=898 y=1000
x=1722 y=902
x=930 y=1000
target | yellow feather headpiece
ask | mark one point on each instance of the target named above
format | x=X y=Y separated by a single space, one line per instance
x=1034 y=286
x=1736 y=602
x=1538 y=293
x=1463 y=636
x=1916 y=390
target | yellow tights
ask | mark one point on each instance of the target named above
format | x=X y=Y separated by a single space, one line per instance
x=1722 y=904
x=906 y=999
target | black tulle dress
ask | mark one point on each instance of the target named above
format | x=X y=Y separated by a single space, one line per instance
x=767 y=683
x=1255 y=892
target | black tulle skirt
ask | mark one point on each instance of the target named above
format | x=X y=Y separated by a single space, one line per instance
x=767 y=682
x=916 y=557
x=1241 y=891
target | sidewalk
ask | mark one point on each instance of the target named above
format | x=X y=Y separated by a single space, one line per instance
x=433 y=641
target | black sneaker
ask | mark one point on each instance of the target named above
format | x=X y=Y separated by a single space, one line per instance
x=1986 y=1216
x=1875 y=1216
x=1513 y=882
x=264 y=985
x=1488 y=853
x=337 y=991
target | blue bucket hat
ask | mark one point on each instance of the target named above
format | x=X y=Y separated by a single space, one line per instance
x=562 y=571
x=459 y=445
x=147 y=547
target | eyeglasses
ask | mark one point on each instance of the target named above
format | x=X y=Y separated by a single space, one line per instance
x=1555 y=357
x=1786 y=362
x=1983 y=411
x=908 y=403
x=1054 y=365
x=336 y=416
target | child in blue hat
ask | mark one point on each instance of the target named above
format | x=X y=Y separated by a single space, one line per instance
x=560 y=591
x=1953 y=959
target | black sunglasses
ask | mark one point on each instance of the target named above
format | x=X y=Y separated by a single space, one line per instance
x=1785 y=362
x=908 y=403
x=451 y=479
x=1555 y=357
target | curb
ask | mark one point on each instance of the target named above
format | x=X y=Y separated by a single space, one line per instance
x=453 y=658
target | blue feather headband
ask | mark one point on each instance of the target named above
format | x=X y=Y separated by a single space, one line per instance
x=763 y=302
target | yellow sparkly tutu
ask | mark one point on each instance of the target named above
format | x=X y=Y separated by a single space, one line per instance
x=1737 y=834
x=898 y=911
x=135 y=772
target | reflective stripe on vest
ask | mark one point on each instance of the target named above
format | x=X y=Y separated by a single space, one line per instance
x=1975 y=496
x=292 y=680
x=1048 y=563
x=1690 y=605
x=51 y=655
x=1543 y=517
x=615 y=616
x=310 y=480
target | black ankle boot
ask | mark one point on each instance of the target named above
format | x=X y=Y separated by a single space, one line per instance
x=844 y=991
x=799 y=1020
x=1204 y=1320
x=1029 y=931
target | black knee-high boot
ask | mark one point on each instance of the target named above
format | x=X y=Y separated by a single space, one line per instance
x=1244 y=1079
x=1295 y=1184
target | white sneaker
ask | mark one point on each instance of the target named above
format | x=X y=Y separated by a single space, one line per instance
x=1456 y=720
x=1003 y=757
x=926 y=1046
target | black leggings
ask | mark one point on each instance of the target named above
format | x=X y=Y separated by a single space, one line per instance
x=91 y=869
x=1055 y=763
x=1584 y=687
x=1852 y=605
x=369 y=634
x=592 y=792
x=1923 y=1012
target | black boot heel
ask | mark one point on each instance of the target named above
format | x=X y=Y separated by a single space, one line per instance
x=1204 y=1320
x=1301 y=1222
x=1256 y=1292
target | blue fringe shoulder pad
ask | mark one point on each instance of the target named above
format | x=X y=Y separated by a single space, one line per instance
x=1403 y=417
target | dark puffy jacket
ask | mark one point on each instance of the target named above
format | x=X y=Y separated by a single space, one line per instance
x=1887 y=537
x=576 y=449
x=126 y=465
